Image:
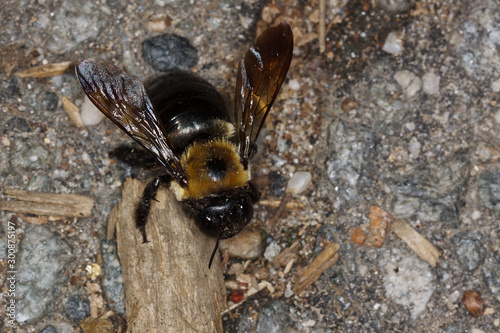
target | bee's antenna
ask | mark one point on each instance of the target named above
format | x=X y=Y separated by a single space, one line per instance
x=213 y=253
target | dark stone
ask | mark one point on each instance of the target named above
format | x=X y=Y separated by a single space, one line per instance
x=50 y=101
x=112 y=283
x=491 y=273
x=17 y=124
x=49 y=329
x=167 y=52
x=489 y=190
x=274 y=316
x=77 y=307
x=9 y=90
x=469 y=249
x=453 y=328
x=278 y=184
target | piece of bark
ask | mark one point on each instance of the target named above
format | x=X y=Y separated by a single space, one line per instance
x=50 y=204
x=73 y=112
x=307 y=275
x=421 y=246
x=290 y=253
x=277 y=203
x=168 y=285
x=45 y=70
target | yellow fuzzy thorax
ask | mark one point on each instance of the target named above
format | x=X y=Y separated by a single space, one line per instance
x=200 y=184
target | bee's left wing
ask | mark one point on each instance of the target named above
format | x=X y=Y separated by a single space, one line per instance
x=124 y=100
x=260 y=76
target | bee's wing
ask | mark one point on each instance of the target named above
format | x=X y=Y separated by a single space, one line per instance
x=124 y=100
x=260 y=76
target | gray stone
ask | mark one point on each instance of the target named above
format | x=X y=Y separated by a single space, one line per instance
x=489 y=190
x=469 y=249
x=491 y=273
x=168 y=51
x=43 y=259
x=112 y=283
x=274 y=316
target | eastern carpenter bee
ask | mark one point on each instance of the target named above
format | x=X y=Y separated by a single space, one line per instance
x=183 y=122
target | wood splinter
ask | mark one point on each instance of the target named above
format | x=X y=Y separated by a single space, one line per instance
x=415 y=241
x=309 y=274
x=56 y=206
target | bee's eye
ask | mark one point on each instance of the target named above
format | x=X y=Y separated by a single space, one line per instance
x=216 y=168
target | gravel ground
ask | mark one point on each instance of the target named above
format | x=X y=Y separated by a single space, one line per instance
x=400 y=112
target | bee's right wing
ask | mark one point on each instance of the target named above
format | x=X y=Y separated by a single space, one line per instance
x=260 y=76
x=124 y=100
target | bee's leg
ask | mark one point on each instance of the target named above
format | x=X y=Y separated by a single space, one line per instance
x=134 y=156
x=253 y=192
x=144 y=205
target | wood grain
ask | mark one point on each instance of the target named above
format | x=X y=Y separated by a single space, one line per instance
x=57 y=205
x=168 y=285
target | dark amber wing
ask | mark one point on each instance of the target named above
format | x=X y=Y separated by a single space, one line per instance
x=260 y=76
x=124 y=100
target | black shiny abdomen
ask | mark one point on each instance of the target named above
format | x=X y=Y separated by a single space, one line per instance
x=187 y=106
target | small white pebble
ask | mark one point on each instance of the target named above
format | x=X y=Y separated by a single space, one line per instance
x=495 y=86
x=430 y=83
x=414 y=148
x=410 y=126
x=454 y=296
x=91 y=115
x=272 y=251
x=476 y=215
x=294 y=84
x=5 y=141
x=477 y=330
x=409 y=81
x=489 y=311
x=299 y=182
x=288 y=291
x=86 y=158
x=393 y=44
x=157 y=24
x=362 y=269
x=497 y=116
x=309 y=323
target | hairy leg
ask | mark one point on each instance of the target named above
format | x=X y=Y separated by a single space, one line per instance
x=144 y=205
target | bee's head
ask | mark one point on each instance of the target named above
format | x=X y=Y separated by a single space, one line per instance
x=223 y=215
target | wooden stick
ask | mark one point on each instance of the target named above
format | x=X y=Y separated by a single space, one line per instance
x=415 y=241
x=312 y=272
x=321 y=32
x=277 y=203
x=168 y=285
x=60 y=205
x=45 y=70
x=73 y=112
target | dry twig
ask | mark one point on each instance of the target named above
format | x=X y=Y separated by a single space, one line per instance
x=73 y=112
x=45 y=70
x=307 y=275
x=421 y=246
x=54 y=205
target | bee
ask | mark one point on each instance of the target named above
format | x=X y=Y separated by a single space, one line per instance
x=183 y=122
